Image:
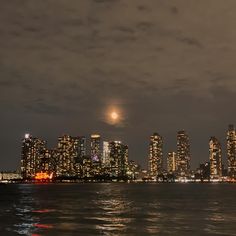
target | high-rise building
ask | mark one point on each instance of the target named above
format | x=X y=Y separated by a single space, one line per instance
x=172 y=162
x=96 y=148
x=82 y=149
x=215 y=157
x=155 y=155
x=106 y=155
x=118 y=158
x=231 y=151
x=48 y=162
x=96 y=153
x=134 y=170
x=33 y=150
x=86 y=170
x=67 y=154
x=183 y=154
x=82 y=152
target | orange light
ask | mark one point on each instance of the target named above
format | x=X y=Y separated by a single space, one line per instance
x=43 y=175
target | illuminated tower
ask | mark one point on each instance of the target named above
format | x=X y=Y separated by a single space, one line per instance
x=96 y=147
x=82 y=150
x=118 y=158
x=33 y=150
x=183 y=154
x=96 y=153
x=215 y=158
x=155 y=155
x=231 y=151
x=172 y=162
x=81 y=155
x=48 y=162
x=67 y=154
x=106 y=154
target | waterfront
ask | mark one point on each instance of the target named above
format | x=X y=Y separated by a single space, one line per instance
x=118 y=209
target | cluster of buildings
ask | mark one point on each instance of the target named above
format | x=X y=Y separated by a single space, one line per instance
x=82 y=158
x=76 y=157
x=178 y=162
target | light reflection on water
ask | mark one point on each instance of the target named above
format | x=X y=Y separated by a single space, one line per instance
x=118 y=209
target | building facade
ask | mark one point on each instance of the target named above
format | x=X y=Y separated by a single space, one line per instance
x=183 y=154
x=231 y=151
x=106 y=155
x=172 y=162
x=32 y=152
x=96 y=153
x=215 y=156
x=67 y=155
x=155 y=155
x=118 y=159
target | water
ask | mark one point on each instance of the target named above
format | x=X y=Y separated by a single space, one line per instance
x=118 y=209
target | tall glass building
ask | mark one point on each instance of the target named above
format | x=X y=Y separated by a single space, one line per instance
x=183 y=154
x=155 y=155
x=231 y=151
x=32 y=152
x=215 y=156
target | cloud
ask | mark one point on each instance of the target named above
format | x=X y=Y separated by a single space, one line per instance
x=41 y=107
x=168 y=65
x=174 y=10
x=190 y=41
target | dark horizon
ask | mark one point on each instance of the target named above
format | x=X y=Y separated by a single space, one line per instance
x=163 y=66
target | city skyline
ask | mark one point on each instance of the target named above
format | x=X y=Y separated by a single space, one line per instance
x=176 y=161
x=97 y=159
x=146 y=159
x=159 y=67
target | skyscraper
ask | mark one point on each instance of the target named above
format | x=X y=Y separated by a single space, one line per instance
x=96 y=153
x=82 y=149
x=95 y=147
x=172 y=162
x=82 y=152
x=215 y=157
x=106 y=155
x=155 y=155
x=231 y=151
x=118 y=158
x=48 y=162
x=67 y=154
x=183 y=154
x=33 y=150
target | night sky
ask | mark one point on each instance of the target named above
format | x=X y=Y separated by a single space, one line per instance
x=163 y=65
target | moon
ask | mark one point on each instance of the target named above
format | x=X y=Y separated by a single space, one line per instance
x=114 y=115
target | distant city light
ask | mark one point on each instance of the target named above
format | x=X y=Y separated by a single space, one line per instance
x=110 y=160
x=43 y=176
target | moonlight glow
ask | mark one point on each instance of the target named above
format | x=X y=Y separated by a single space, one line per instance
x=114 y=116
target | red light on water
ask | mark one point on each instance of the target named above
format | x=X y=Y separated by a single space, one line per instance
x=43 y=211
x=43 y=226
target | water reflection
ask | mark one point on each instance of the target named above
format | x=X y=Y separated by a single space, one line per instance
x=112 y=211
x=115 y=209
x=28 y=214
